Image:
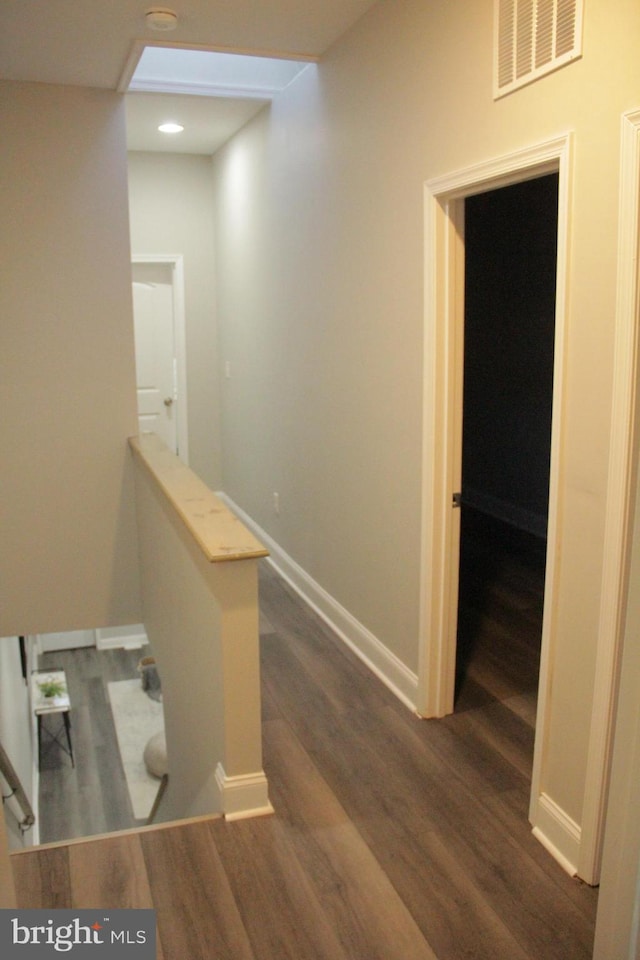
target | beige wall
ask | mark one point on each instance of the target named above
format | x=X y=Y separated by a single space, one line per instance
x=320 y=259
x=171 y=212
x=67 y=391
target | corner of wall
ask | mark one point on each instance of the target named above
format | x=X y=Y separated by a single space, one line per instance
x=380 y=660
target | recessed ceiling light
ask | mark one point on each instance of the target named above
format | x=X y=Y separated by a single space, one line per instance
x=171 y=128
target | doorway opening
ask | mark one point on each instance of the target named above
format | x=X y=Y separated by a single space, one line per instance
x=445 y=200
x=510 y=243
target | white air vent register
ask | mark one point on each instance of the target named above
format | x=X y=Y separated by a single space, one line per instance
x=532 y=38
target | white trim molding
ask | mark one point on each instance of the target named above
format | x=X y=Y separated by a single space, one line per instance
x=444 y=198
x=558 y=833
x=619 y=500
x=131 y=637
x=243 y=796
x=444 y=266
x=377 y=657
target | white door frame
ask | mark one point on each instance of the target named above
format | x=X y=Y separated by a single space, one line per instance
x=620 y=500
x=444 y=199
x=444 y=210
x=444 y=206
x=176 y=261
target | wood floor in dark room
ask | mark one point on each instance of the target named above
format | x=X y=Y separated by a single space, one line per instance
x=393 y=838
x=500 y=611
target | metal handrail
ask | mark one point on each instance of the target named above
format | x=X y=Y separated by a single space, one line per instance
x=156 y=803
x=17 y=790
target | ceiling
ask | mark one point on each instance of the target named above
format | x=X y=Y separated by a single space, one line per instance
x=208 y=121
x=90 y=43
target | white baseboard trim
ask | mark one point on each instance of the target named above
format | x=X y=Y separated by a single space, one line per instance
x=243 y=796
x=558 y=833
x=378 y=658
x=118 y=637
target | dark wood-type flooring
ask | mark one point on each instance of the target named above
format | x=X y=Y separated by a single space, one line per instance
x=500 y=605
x=393 y=838
x=92 y=797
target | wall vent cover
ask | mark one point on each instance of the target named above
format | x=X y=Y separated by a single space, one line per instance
x=532 y=38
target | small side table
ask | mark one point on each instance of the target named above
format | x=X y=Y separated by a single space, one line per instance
x=60 y=703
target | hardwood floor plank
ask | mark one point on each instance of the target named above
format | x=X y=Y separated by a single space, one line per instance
x=501 y=731
x=280 y=909
x=525 y=706
x=64 y=810
x=442 y=802
x=42 y=878
x=355 y=755
x=117 y=811
x=368 y=916
x=197 y=914
x=109 y=873
x=498 y=818
x=341 y=677
x=511 y=814
x=528 y=910
x=91 y=798
x=371 y=781
x=500 y=605
x=451 y=911
x=457 y=752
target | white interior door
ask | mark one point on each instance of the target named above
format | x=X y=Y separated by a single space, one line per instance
x=156 y=359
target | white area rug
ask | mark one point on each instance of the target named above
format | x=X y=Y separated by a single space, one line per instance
x=137 y=717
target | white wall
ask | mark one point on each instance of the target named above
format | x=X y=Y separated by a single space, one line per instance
x=171 y=212
x=319 y=231
x=67 y=391
x=320 y=407
x=16 y=736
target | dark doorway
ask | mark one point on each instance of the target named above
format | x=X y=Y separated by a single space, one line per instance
x=510 y=287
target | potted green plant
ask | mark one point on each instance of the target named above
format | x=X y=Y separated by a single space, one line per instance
x=52 y=688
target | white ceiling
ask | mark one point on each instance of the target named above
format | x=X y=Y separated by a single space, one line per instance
x=208 y=121
x=89 y=43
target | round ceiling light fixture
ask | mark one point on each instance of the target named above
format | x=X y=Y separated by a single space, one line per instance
x=161 y=18
x=171 y=128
